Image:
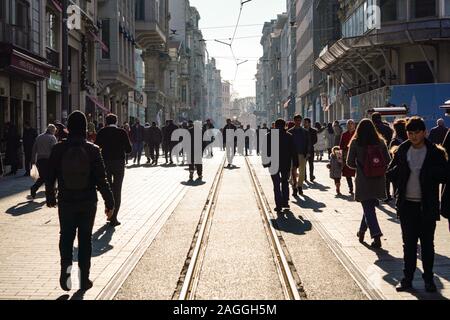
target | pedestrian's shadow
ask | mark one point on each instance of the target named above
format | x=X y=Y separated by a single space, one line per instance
x=287 y=222
x=392 y=215
x=393 y=267
x=309 y=203
x=345 y=197
x=317 y=186
x=233 y=167
x=193 y=183
x=134 y=166
x=25 y=208
x=167 y=165
x=100 y=242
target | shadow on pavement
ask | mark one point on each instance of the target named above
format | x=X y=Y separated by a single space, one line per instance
x=309 y=203
x=193 y=183
x=79 y=295
x=287 y=222
x=101 y=240
x=393 y=267
x=25 y=208
x=233 y=167
x=317 y=186
x=392 y=215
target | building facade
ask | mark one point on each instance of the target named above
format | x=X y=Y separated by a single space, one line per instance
x=402 y=61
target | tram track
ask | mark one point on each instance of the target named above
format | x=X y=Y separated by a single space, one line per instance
x=190 y=275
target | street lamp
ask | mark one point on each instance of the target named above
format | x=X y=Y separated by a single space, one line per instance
x=65 y=60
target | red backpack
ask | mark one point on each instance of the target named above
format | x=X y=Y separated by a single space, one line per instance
x=374 y=163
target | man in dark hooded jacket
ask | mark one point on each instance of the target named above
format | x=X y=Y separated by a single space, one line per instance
x=78 y=167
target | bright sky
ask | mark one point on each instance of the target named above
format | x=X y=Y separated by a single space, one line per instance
x=218 y=18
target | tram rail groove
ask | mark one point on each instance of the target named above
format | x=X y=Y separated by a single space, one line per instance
x=189 y=278
x=289 y=278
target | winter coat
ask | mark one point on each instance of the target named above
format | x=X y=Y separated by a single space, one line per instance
x=330 y=139
x=345 y=141
x=445 y=205
x=322 y=143
x=384 y=130
x=336 y=164
x=366 y=188
x=137 y=134
x=286 y=150
x=434 y=172
x=438 y=134
x=302 y=140
x=337 y=135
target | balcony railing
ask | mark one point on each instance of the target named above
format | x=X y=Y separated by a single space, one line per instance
x=52 y=57
x=16 y=35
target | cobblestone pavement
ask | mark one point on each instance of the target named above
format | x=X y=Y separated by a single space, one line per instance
x=337 y=219
x=29 y=233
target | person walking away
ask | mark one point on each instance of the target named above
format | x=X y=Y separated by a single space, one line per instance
x=312 y=134
x=258 y=128
x=209 y=126
x=337 y=131
x=445 y=202
x=347 y=136
x=28 y=138
x=387 y=133
x=137 y=139
x=247 y=142
x=114 y=144
x=335 y=166
x=287 y=152
x=12 y=157
x=438 y=133
x=230 y=146
x=40 y=155
x=165 y=141
x=171 y=127
x=191 y=159
x=368 y=154
x=127 y=129
x=301 y=145
x=78 y=167
x=330 y=139
x=400 y=136
x=92 y=134
x=147 y=143
x=419 y=167
x=155 y=142
x=321 y=144
x=61 y=131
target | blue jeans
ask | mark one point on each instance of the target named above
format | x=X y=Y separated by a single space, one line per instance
x=137 y=151
x=369 y=219
x=281 y=188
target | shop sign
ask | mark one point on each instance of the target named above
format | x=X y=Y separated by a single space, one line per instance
x=54 y=82
x=28 y=67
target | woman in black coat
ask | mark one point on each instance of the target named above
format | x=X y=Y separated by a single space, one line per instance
x=12 y=148
x=445 y=205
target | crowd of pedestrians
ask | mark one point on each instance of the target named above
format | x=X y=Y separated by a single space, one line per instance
x=372 y=156
x=75 y=161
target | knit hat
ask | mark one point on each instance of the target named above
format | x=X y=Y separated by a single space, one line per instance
x=77 y=124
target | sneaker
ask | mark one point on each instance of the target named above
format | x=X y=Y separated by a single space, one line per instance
x=404 y=285
x=65 y=280
x=430 y=286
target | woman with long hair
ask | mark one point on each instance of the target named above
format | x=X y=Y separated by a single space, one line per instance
x=347 y=136
x=369 y=156
x=330 y=139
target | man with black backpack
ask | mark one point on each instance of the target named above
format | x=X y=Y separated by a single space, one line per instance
x=418 y=167
x=78 y=167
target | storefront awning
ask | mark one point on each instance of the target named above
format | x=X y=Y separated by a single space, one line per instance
x=98 y=103
x=26 y=64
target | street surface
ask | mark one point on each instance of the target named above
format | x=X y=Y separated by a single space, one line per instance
x=143 y=258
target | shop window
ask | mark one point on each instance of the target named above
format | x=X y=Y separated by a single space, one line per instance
x=423 y=8
x=52 y=31
x=418 y=72
x=140 y=10
x=447 y=8
x=106 y=38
